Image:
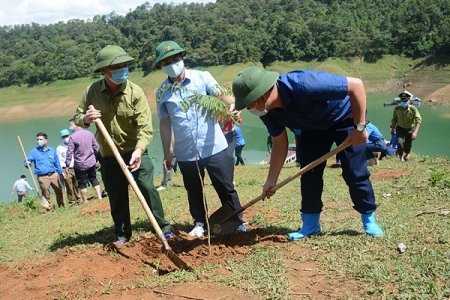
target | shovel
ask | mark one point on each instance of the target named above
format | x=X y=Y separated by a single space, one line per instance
x=168 y=251
x=41 y=199
x=225 y=220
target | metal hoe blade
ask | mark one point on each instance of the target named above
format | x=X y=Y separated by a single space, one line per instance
x=168 y=251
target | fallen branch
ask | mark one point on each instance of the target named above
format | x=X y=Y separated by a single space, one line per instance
x=440 y=210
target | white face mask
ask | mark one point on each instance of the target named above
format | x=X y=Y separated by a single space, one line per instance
x=258 y=113
x=66 y=140
x=175 y=69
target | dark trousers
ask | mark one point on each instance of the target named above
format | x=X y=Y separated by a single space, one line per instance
x=315 y=143
x=375 y=146
x=231 y=138
x=21 y=195
x=86 y=176
x=220 y=169
x=117 y=186
x=238 y=153
x=404 y=137
x=167 y=174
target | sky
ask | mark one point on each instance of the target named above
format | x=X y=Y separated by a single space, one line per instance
x=44 y=12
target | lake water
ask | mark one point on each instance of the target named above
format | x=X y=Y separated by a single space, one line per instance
x=432 y=139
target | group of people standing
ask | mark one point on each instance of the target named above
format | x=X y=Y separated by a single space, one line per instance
x=327 y=108
x=71 y=167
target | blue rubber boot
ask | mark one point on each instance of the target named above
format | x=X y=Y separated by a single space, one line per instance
x=310 y=226
x=370 y=226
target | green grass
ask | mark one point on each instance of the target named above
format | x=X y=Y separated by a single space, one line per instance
x=373 y=265
x=387 y=67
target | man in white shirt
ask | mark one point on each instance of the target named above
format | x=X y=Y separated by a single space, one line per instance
x=73 y=193
x=21 y=185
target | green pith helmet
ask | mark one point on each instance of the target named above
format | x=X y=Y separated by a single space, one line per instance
x=166 y=49
x=251 y=84
x=110 y=56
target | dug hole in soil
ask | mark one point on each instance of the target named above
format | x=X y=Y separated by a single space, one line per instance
x=95 y=270
x=107 y=272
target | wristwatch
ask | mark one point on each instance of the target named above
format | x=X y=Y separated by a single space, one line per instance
x=360 y=126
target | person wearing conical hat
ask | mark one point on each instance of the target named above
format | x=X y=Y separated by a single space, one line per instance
x=406 y=121
x=123 y=109
x=328 y=109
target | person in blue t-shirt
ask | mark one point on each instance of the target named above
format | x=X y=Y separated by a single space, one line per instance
x=375 y=143
x=328 y=109
x=240 y=143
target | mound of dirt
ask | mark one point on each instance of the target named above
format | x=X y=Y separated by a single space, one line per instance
x=97 y=270
x=107 y=272
x=387 y=174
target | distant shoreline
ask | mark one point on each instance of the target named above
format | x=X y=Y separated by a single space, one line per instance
x=67 y=109
x=48 y=109
x=62 y=100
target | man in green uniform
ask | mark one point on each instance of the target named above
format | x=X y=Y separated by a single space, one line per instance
x=406 y=122
x=124 y=110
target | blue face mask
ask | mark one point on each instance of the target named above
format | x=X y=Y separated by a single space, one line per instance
x=119 y=76
x=40 y=144
x=71 y=129
x=175 y=69
x=404 y=104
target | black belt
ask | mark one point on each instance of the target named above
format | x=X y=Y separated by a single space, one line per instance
x=48 y=174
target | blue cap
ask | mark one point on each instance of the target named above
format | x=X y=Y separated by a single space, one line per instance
x=64 y=132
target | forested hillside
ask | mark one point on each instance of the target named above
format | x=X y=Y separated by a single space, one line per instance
x=228 y=32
